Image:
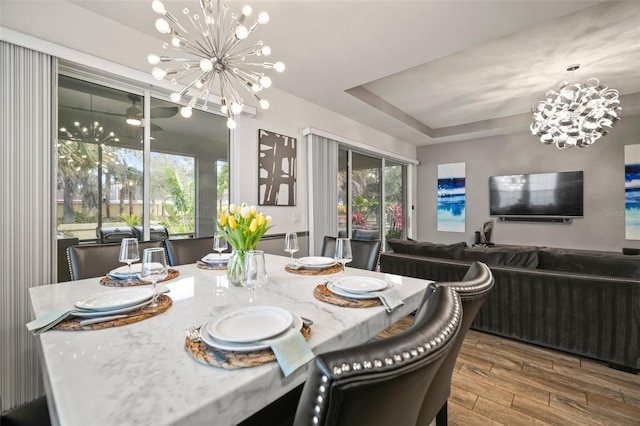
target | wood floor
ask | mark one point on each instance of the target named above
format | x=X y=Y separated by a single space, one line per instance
x=503 y=382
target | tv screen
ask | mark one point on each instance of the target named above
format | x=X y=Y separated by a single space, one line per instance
x=542 y=194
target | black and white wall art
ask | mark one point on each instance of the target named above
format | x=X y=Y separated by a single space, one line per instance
x=277 y=164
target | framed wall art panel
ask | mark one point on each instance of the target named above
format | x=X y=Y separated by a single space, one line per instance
x=277 y=162
x=451 y=197
x=632 y=192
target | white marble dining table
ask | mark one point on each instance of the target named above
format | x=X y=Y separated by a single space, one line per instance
x=141 y=374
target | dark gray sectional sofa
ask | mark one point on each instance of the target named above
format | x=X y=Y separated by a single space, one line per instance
x=585 y=303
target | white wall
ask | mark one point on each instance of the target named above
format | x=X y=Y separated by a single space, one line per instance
x=290 y=115
x=602 y=227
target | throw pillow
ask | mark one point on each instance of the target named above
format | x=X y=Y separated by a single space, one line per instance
x=517 y=256
x=442 y=251
x=589 y=262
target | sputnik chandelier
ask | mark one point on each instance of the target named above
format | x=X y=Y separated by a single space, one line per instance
x=577 y=115
x=213 y=54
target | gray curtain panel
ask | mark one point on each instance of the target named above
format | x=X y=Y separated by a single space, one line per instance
x=28 y=84
x=323 y=190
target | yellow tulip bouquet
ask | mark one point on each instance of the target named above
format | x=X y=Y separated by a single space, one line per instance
x=242 y=226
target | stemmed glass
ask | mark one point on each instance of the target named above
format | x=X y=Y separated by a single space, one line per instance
x=219 y=243
x=129 y=253
x=343 y=253
x=254 y=272
x=154 y=268
x=291 y=243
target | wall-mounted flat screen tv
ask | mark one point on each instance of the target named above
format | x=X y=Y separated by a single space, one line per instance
x=542 y=195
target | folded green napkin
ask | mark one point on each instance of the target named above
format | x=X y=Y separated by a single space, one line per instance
x=291 y=351
x=389 y=299
x=48 y=320
x=296 y=265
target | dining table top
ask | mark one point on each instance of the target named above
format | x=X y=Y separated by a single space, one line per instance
x=141 y=374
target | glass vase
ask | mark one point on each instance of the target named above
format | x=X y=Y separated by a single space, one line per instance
x=234 y=267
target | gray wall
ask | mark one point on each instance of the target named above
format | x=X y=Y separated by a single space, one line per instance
x=602 y=227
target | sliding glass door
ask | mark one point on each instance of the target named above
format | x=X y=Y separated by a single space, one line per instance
x=395 y=199
x=371 y=196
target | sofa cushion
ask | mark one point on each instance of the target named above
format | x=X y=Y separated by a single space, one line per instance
x=517 y=256
x=589 y=262
x=443 y=251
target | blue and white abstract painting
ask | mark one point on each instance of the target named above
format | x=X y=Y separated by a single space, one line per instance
x=451 y=197
x=632 y=191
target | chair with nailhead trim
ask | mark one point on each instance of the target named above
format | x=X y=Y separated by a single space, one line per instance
x=383 y=382
x=473 y=290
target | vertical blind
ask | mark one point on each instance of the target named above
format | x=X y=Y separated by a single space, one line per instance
x=27 y=182
x=323 y=190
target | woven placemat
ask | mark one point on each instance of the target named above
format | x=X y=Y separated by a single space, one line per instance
x=332 y=270
x=171 y=274
x=235 y=360
x=221 y=267
x=72 y=323
x=321 y=292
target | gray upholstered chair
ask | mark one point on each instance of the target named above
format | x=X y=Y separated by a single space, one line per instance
x=188 y=250
x=473 y=291
x=383 y=382
x=96 y=260
x=365 y=253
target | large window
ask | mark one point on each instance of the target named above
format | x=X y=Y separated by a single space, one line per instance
x=371 y=196
x=101 y=163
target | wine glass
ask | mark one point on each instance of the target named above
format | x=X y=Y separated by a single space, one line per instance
x=154 y=268
x=219 y=243
x=343 y=252
x=129 y=253
x=254 y=272
x=291 y=243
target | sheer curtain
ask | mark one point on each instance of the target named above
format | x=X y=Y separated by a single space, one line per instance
x=27 y=224
x=323 y=190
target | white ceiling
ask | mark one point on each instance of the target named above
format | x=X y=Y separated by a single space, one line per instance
x=432 y=71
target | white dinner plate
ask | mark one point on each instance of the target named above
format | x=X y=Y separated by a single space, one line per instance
x=115 y=299
x=250 y=324
x=340 y=292
x=317 y=261
x=241 y=347
x=123 y=271
x=96 y=314
x=360 y=284
x=215 y=258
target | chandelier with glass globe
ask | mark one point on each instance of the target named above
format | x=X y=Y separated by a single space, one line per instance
x=212 y=56
x=578 y=115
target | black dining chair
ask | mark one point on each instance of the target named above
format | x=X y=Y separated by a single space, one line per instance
x=188 y=250
x=473 y=290
x=383 y=382
x=365 y=253
x=34 y=413
x=96 y=260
